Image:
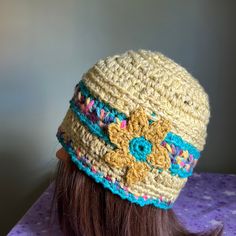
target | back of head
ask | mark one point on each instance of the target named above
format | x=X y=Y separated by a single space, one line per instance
x=134 y=131
x=86 y=208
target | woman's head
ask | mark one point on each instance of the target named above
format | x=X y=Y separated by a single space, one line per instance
x=136 y=125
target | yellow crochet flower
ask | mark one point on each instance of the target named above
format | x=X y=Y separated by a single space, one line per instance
x=138 y=145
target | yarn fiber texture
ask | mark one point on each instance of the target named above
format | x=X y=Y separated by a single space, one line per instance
x=137 y=123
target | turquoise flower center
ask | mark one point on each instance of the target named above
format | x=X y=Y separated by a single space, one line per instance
x=140 y=148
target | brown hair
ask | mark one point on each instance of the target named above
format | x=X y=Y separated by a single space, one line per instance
x=86 y=208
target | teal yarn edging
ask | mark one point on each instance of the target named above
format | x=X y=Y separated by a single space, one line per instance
x=99 y=178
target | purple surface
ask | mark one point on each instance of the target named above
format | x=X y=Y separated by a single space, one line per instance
x=208 y=199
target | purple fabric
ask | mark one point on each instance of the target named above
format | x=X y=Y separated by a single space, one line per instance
x=208 y=199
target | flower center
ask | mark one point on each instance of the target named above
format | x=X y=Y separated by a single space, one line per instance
x=140 y=148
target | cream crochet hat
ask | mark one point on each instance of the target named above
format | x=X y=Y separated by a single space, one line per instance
x=137 y=123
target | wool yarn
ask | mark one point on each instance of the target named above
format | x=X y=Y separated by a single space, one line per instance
x=137 y=123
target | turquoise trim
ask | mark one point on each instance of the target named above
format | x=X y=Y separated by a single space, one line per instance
x=175 y=139
x=114 y=188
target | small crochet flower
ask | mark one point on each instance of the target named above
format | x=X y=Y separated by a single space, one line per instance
x=138 y=145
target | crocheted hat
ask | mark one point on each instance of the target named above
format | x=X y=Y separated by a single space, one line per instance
x=136 y=124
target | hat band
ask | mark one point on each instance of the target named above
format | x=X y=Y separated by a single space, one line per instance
x=97 y=115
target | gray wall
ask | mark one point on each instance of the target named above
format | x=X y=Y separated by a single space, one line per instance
x=46 y=45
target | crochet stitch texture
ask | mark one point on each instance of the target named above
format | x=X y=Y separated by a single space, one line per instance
x=138 y=145
x=136 y=124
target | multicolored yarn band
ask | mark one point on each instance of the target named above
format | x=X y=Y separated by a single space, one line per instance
x=97 y=115
x=137 y=124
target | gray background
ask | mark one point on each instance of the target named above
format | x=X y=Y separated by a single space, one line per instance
x=46 y=45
